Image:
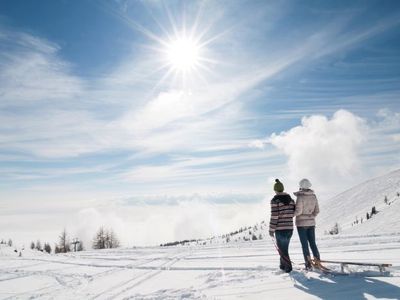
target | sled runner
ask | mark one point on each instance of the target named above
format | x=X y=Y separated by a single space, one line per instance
x=317 y=265
x=343 y=264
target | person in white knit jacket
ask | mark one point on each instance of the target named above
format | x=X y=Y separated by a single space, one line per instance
x=306 y=210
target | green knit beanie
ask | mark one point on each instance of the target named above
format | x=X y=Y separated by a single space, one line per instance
x=278 y=186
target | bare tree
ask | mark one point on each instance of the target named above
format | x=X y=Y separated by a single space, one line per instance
x=99 y=241
x=111 y=239
x=10 y=243
x=63 y=243
x=105 y=238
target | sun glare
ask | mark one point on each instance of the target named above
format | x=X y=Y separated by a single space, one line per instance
x=183 y=54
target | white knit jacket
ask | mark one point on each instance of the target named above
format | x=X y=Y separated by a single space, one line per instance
x=306 y=208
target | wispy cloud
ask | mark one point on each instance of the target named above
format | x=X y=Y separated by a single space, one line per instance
x=126 y=130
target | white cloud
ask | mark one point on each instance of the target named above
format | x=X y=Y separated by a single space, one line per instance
x=145 y=220
x=155 y=224
x=324 y=150
x=33 y=73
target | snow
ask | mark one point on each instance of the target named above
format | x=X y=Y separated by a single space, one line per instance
x=242 y=270
x=239 y=269
x=354 y=204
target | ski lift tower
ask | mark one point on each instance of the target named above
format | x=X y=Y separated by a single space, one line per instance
x=75 y=242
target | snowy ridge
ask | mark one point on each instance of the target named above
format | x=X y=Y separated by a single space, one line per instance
x=355 y=203
x=344 y=209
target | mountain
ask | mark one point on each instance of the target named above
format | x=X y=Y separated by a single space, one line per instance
x=348 y=209
x=345 y=209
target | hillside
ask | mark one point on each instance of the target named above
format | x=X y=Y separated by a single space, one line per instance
x=344 y=209
x=353 y=204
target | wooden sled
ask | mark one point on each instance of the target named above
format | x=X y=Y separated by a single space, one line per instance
x=343 y=264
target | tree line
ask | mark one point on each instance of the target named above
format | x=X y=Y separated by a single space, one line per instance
x=103 y=239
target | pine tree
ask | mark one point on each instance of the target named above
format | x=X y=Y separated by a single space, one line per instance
x=373 y=211
x=47 y=247
x=32 y=245
x=10 y=243
x=38 y=245
x=335 y=229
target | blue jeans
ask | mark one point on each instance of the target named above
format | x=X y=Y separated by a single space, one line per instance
x=282 y=241
x=307 y=236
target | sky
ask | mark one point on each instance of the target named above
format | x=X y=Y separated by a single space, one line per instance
x=168 y=120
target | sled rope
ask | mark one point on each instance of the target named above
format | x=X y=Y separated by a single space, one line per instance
x=281 y=254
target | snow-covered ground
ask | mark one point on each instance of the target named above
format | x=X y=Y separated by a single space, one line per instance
x=244 y=270
x=356 y=202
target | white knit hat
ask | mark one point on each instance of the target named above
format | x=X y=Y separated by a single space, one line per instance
x=305 y=184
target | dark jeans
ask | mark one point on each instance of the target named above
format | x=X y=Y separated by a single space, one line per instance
x=307 y=236
x=282 y=241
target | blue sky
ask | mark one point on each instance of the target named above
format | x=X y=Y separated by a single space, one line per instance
x=96 y=121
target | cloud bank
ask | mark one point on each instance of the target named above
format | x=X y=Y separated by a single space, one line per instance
x=322 y=149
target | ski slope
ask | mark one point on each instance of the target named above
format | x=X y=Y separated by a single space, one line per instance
x=245 y=270
x=354 y=204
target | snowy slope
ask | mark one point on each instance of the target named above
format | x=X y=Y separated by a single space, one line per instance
x=344 y=209
x=243 y=270
x=354 y=204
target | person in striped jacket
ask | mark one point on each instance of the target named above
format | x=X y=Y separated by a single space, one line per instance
x=281 y=223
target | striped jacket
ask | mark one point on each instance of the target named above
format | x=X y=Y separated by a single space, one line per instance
x=282 y=212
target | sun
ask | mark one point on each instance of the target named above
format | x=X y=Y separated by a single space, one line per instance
x=183 y=54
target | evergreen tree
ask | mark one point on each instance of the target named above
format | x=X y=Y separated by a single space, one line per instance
x=335 y=229
x=373 y=211
x=47 y=247
x=38 y=245
x=32 y=245
x=10 y=243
